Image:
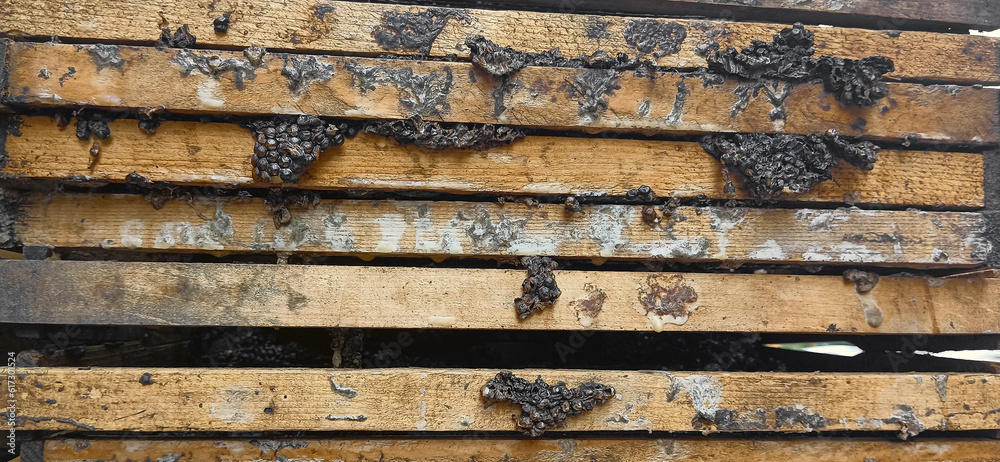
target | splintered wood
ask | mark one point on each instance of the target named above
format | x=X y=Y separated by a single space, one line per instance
x=434 y=400
x=440 y=229
x=340 y=27
x=179 y=294
x=218 y=153
x=557 y=98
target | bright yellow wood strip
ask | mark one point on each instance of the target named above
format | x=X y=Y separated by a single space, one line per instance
x=213 y=154
x=179 y=294
x=433 y=400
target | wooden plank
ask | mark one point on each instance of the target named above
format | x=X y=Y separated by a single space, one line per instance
x=557 y=98
x=179 y=294
x=877 y=14
x=349 y=28
x=540 y=450
x=433 y=400
x=454 y=229
x=212 y=154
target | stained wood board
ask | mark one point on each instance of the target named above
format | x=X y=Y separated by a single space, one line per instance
x=353 y=28
x=552 y=98
x=433 y=400
x=442 y=229
x=208 y=294
x=219 y=154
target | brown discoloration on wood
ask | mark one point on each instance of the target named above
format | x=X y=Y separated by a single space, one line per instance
x=209 y=154
x=347 y=27
x=432 y=400
x=538 y=450
x=178 y=294
x=540 y=97
x=413 y=228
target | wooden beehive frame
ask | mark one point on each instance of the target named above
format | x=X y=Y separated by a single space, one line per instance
x=930 y=203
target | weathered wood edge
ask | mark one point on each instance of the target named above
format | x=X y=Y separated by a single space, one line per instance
x=991 y=213
x=484 y=447
x=10 y=209
x=4 y=72
x=5 y=124
x=844 y=15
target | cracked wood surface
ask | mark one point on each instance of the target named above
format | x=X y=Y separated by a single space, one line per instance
x=197 y=294
x=440 y=230
x=554 y=98
x=350 y=27
x=219 y=154
x=578 y=448
x=433 y=400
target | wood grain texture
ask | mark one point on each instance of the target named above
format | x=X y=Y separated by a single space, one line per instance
x=219 y=154
x=557 y=98
x=339 y=27
x=178 y=294
x=579 y=449
x=433 y=400
x=456 y=229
